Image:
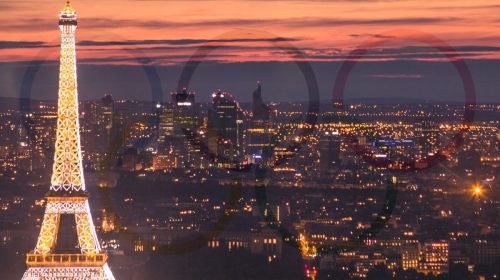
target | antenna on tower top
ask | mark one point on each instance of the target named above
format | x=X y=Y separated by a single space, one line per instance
x=68 y=9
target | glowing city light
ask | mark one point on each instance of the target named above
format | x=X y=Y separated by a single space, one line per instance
x=477 y=190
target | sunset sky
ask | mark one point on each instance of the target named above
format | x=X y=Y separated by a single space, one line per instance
x=113 y=34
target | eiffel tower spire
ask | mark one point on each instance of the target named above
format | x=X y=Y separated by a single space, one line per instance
x=68 y=9
x=67 y=195
x=67 y=171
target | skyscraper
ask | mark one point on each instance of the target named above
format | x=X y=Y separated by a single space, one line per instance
x=67 y=196
x=166 y=123
x=226 y=119
x=105 y=117
x=98 y=123
x=178 y=119
x=329 y=151
x=427 y=136
x=260 y=132
x=184 y=111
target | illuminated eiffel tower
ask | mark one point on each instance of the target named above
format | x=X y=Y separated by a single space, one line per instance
x=67 y=195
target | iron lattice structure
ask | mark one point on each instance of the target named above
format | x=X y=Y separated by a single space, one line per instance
x=67 y=195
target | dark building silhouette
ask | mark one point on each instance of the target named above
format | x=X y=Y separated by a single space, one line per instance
x=260 y=131
x=427 y=136
x=226 y=119
x=105 y=117
x=260 y=110
x=177 y=119
x=329 y=152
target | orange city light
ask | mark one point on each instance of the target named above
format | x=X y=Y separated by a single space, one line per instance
x=477 y=190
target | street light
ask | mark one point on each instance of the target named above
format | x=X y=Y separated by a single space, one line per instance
x=477 y=190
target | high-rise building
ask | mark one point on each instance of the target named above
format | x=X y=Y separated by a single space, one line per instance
x=67 y=197
x=105 y=117
x=121 y=123
x=42 y=137
x=226 y=119
x=260 y=132
x=166 y=123
x=178 y=120
x=329 y=151
x=427 y=137
x=486 y=252
x=97 y=124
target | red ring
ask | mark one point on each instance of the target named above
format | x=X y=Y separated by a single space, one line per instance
x=453 y=57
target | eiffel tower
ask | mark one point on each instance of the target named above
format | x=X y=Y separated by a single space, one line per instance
x=67 y=195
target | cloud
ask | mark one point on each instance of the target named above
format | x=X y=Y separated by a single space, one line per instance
x=156 y=60
x=4 y=6
x=231 y=53
x=370 y=35
x=465 y=7
x=309 y=22
x=22 y=44
x=179 y=42
x=397 y=76
x=403 y=53
x=140 y=42
x=179 y=54
x=291 y=22
x=33 y=24
x=325 y=22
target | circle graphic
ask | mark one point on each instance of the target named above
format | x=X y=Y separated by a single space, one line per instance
x=451 y=55
x=184 y=81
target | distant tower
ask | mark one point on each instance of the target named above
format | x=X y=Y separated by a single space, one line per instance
x=329 y=150
x=225 y=117
x=427 y=136
x=177 y=119
x=67 y=196
x=105 y=117
x=260 y=133
x=183 y=103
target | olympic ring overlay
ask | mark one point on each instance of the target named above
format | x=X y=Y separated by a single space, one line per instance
x=375 y=226
x=391 y=188
x=260 y=173
x=260 y=191
x=184 y=81
x=451 y=55
x=280 y=43
x=153 y=78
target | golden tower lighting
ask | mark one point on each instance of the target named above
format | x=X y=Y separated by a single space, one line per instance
x=67 y=195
